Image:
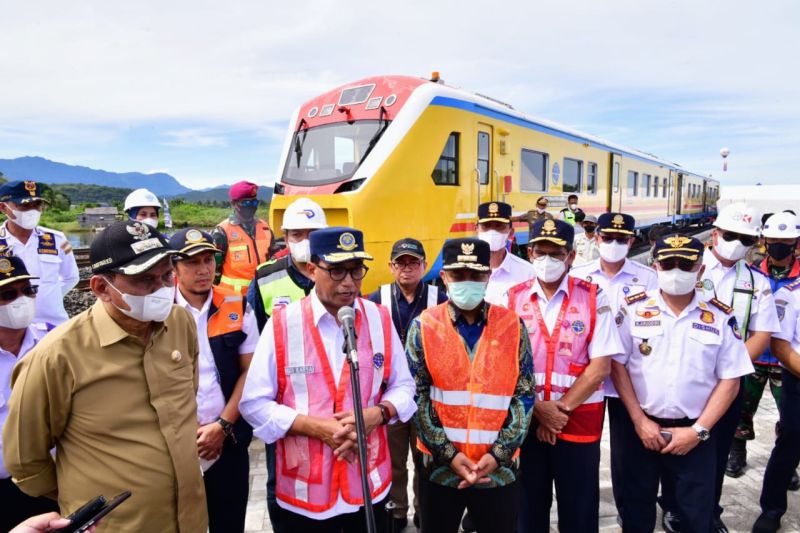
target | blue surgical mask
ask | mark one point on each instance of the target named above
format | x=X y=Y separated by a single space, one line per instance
x=466 y=295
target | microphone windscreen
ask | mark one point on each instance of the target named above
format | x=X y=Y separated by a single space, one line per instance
x=345 y=314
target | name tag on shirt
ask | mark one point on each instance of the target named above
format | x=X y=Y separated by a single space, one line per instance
x=307 y=369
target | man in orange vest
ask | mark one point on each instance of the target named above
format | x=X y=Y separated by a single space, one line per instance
x=244 y=240
x=573 y=336
x=298 y=393
x=472 y=365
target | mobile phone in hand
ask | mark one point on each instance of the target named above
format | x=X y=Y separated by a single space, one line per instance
x=91 y=512
x=666 y=435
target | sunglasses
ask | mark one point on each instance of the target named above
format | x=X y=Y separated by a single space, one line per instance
x=339 y=273
x=618 y=240
x=747 y=240
x=248 y=203
x=9 y=295
x=676 y=262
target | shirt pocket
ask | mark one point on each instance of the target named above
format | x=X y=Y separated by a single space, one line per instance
x=49 y=269
x=701 y=351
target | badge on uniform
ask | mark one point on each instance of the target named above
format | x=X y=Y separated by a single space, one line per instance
x=47 y=244
x=234 y=316
x=735 y=327
x=780 y=306
x=578 y=327
x=377 y=360
x=707 y=317
x=620 y=318
x=644 y=348
x=303 y=369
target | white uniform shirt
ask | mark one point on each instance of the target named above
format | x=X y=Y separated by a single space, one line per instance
x=631 y=279
x=57 y=273
x=210 y=399
x=721 y=281
x=33 y=335
x=271 y=420
x=586 y=249
x=690 y=354
x=512 y=271
x=788 y=304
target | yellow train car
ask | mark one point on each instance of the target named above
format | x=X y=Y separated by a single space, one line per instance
x=398 y=157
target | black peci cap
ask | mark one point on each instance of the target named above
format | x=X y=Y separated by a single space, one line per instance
x=469 y=253
x=128 y=247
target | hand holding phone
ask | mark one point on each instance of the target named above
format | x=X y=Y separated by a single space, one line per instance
x=91 y=512
x=666 y=435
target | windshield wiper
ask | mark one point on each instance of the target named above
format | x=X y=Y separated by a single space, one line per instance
x=382 y=124
x=298 y=144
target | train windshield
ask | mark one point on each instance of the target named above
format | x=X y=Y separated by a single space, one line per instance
x=330 y=153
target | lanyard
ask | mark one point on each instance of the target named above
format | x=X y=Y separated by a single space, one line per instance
x=551 y=340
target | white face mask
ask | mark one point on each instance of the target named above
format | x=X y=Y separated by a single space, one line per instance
x=573 y=206
x=150 y=222
x=613 y=252
x=301 y=251
x=18 y=314
x=676 y=282
x=27 y=219
x=549 y=269
x=730 y=250
x=497 y=240
x=154 y=307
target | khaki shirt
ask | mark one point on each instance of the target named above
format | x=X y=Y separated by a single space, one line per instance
x=121 y=416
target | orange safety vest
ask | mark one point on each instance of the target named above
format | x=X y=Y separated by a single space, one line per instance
x=244 y=254
x=471 y=398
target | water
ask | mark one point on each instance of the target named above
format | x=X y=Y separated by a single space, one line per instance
x=81 y=239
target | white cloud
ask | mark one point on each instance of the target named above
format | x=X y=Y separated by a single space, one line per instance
x=193 y=138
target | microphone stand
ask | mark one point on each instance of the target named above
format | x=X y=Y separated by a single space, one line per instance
x=361 y=433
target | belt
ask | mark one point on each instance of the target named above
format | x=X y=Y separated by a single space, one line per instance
x=673 y=422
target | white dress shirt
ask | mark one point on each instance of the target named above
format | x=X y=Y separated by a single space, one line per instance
x=690 y=354
x=272 y=420
x=631 y=279
x=512 y=271
x=33 y=335
x=788 y=305
x=210 y=399
x=57 y=273
x=763 y=315
x=605 y=338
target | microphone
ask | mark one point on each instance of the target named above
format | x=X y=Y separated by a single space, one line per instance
x=347 y=317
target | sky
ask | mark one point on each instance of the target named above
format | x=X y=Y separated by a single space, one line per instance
x=205 y=90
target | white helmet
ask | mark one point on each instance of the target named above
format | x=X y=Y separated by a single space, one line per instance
x=781 y=226
x=304 y=213
x=141 y=198
x=740 y=218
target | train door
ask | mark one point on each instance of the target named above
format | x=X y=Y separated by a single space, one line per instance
x=705 y=197
x=615 y=188
x=679 y=194
x=484 y=176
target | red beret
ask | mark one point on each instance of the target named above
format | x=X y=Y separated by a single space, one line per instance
x=243 y=190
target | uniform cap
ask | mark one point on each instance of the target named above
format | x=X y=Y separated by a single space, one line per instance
x=677 y=245
x=739 y=218
x=192 y=241
x=781 y=226
x=555 y=231
x=408 y=246
x=12 y=268
x=141 y=198
x=129 y=247
x=616 y=223
x=21 y=192
x=469 y=253
x=338 y=244
x=304 y=213
x=494 y=212
x=242 y=191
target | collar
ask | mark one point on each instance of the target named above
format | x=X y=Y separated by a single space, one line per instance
x=108 y=331
x=456 y=313
x=5 y=234
x=398 y=292
x=711 y=262
x=508 y=260
x=299 y=279
x=29 y=340
x=539 y=291
x=180 y=300
x=694 y=304
x=319 y=310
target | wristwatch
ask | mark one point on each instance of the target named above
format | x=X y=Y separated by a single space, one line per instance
x=385 y=414
x=702 y=433
x=227 y=427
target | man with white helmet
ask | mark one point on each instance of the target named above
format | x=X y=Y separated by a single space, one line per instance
x=281 y=281
x=780 y=235
x=729 y=280
x=143 y=205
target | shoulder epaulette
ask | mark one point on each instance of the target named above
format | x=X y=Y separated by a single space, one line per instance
x=756 y=270
x=793 y=285
x=633 y=298
x=727 y=309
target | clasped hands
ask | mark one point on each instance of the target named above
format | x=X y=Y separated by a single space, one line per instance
x=339 y=432
x=552 y=416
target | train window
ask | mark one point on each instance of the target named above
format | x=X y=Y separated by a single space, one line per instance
x=646 y=178
x=615 y=177
x=664 y=188
x=446 y=170
x=591 y=178
x=655 y=187
x=483 y=157
x=633 y=183
x=533 y=173
x=572 y=175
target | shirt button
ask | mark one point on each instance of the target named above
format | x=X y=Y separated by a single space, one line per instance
x=176 y=356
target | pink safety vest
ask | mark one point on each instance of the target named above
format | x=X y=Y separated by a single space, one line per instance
x=561 y=357
x=308 y=474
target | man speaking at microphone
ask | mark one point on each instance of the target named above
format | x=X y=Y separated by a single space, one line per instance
x=298 y=392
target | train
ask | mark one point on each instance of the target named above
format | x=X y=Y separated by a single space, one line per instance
x=401 y=156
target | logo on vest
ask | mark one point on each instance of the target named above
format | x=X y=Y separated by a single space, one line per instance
x=234 y=316
x=578 y=327
x=305 y=369
x=377 y=360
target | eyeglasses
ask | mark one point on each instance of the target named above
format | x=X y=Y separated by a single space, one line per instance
x=9 y=295
x=410 y=265
x=248 y=203
x=676 y=262
x=747 y=240
x=539 y=255
x=618 y=240
x=339 y=273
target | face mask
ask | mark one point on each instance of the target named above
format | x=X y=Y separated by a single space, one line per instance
x=497 y=241
x=613 y=252
x=150 y=222
x=573 y=206
x=466 y=295
x=589 y=229
x=27 y=219
x=780 y=251
x=301 y=251
x=246 y=213
x=730 y=250
x=549 y=269
x=18 y=314
x=155 y=307
x=676 y=282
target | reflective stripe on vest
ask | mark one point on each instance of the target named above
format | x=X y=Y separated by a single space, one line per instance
x=562 y=356
x=278 y=289
x=244 y=254
x=308 y=475
x=471 y=398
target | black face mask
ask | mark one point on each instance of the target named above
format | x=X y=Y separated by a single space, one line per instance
x=780 y=251
x=246 y=213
